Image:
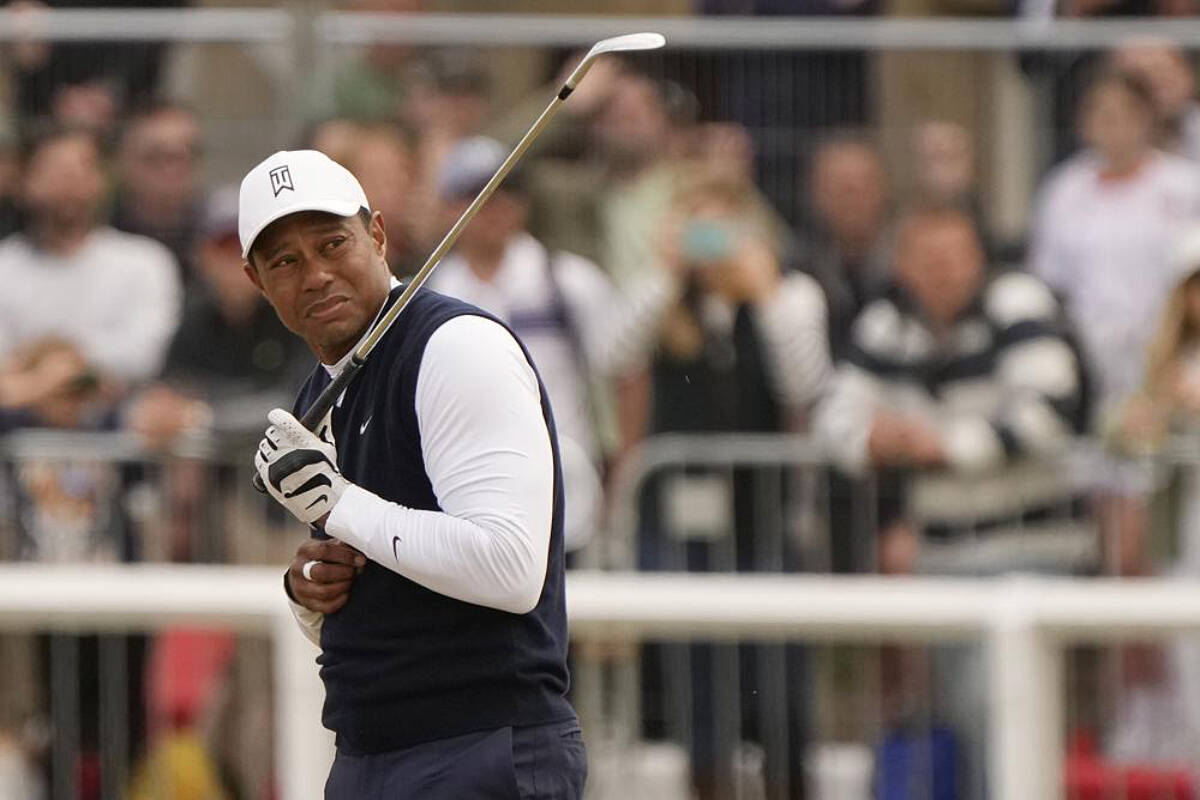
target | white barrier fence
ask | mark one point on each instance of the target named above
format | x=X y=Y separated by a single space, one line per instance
x=1025 y=623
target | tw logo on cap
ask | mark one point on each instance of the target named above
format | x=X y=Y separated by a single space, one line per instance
x=281 y=178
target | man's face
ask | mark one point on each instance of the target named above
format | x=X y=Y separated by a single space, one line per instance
x=634 y=123
x=1115 y=124
x=849 y=192
x=944 y=160
x=940 y=262
x=500 y=218
x=64 y=183
x=325 y=275
x=160 y=157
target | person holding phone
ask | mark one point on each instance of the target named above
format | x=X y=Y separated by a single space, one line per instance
x=743 y=349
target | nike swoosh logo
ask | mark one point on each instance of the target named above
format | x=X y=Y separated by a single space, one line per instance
x=363 y=428
x=395 y=541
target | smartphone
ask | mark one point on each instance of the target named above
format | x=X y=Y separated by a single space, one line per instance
x=85 y=383
x=707 y=241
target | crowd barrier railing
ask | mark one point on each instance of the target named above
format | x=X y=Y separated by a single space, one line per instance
x=1025 y=623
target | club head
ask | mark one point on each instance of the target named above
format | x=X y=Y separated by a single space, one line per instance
x=630 y=41
x=617 y=44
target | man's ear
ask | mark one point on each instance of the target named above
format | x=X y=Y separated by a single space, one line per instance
x=378 y=234
x=252 y=274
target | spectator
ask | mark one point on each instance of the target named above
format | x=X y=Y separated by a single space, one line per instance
x=733 y=294
x=943 y=156
x=450 y=100
x=158 y=178
x=950 y=367
x=564 y=308
x=382 y=160
x=231 y=360
x=954 y=370
x=1105 y=222
x=111 y=296
x=639 y=144
x=1171 y=78
x=1170 y=396
x=743 y=349
x=849 y=253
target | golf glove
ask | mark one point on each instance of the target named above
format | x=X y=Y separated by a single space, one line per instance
x=299 y=467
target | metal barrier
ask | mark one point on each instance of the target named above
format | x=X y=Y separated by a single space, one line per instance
x=1025 y=622
x=770 y=503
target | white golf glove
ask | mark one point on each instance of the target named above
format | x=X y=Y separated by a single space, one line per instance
x=299 y=467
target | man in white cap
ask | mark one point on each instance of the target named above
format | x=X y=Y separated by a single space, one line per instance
x=434 y=580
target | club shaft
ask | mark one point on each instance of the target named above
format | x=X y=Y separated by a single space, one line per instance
x=448 y=241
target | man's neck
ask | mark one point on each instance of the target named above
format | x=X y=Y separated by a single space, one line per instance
x=484 y=262
x=60 y=241
x=1123 y=165
x=854 y=250
x=155 y=216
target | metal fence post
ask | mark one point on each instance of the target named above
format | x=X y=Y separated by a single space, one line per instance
x=303 y=749
x=1025 y=679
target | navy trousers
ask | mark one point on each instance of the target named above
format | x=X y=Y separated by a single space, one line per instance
x=538 y=762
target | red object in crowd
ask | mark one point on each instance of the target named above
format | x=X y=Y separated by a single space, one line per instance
x=1090 y=777
x=186 y=667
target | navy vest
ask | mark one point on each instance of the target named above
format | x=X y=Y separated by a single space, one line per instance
x=403 y=664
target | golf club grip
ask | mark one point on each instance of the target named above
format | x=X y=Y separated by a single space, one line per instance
x=320 y=407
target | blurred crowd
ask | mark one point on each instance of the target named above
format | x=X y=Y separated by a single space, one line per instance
x=945 y=372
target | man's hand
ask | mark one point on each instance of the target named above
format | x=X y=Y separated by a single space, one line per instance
x=886 y=442
x=328 y=586
x=299 y=468
x=899 y=440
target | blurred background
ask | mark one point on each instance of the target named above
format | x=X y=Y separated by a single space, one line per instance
x=903 y=292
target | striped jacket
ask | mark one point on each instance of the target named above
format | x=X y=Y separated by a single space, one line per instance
x=1005 y=382
x=1006 y=392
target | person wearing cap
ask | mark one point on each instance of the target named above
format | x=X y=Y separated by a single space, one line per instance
x=433 y=583
x=565 y=309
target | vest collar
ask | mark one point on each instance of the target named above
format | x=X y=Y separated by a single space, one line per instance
x=334 y=369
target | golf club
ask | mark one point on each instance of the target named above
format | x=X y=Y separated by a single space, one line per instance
x=316 y=412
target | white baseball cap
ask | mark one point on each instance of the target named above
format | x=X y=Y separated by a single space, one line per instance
x=291 y=181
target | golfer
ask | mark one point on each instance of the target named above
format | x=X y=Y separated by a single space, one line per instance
x=433 y=583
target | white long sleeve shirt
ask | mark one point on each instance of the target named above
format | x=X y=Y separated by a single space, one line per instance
x=117 y=299
x=487 y=453
x=615 y=328
x=1105 y=245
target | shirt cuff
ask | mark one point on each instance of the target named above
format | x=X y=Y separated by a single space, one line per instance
x=310 y=621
